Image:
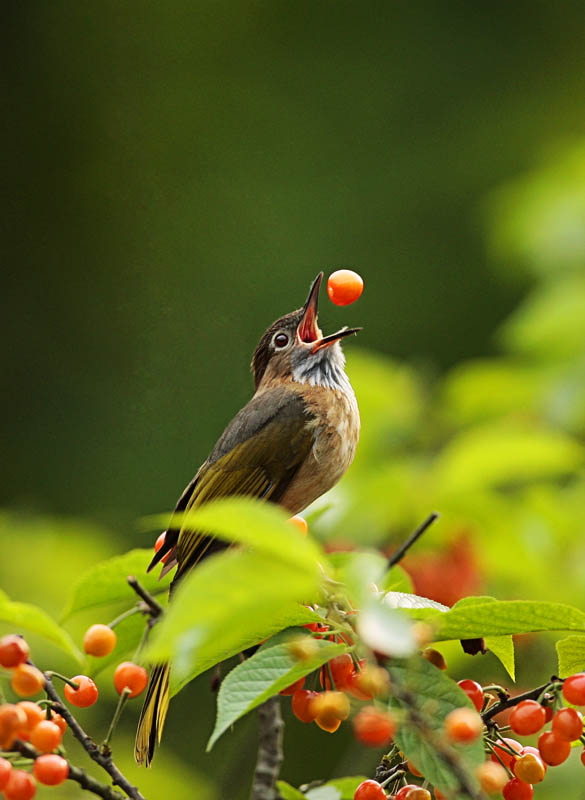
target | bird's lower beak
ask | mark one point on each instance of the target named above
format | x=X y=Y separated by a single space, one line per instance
x=326 y=341
x=308 y=330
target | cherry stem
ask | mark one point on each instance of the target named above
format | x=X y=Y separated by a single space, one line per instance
x=52 y=674
x=116 y=718
x=399 y=554
x=131 y=611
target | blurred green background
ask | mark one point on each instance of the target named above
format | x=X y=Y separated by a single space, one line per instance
x=176 y=174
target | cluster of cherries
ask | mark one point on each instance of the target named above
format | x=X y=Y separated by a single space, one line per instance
x=37 y=723
x=512 y=768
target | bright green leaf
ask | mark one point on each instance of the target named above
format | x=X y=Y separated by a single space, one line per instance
x=232 y=601
x=571 y=655
x=396 y=579
x=434 y=695
x=34 y=619
x=288 y=792
x=260 y=677
x=106 y=583
x=503 y=649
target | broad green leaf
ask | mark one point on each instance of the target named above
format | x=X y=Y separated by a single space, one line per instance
x=288 y=792
x=396 y=579
x=571 y=655
x=232 y=601
x=503 y=649
x=505 y=617
x=412 y=601
x=260 y=677
x=106 y=583
x=344 y=789
x=262 y=526
x=434 y=695
x=34 y=619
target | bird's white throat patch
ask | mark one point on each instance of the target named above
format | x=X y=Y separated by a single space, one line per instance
x=324 y=369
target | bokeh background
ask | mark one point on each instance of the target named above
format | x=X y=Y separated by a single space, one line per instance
x=175 y=175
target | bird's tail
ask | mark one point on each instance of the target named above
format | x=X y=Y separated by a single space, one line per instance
x=153 y=714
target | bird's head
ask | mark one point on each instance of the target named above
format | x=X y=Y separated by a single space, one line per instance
x=294 y=348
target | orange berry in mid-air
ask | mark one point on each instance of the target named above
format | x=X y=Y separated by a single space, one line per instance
x=13 y=651
x=300 y=524
x=463 y=725
x=99 y=640
x=344 y=287
x=27 y=680
x=51 y=770
x=86 y=693
x=130 y=676
x=46 y=736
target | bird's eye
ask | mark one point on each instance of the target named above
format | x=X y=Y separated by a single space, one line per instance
x=281 y=340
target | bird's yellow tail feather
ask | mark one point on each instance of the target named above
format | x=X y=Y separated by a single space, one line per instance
x=153 y=714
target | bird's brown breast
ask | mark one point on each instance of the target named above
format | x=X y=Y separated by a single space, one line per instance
x=336 y=426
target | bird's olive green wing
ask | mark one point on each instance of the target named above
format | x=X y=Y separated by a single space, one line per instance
x=258 y=456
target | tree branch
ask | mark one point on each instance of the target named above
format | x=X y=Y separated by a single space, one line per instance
x=100 y=756
x=80 y=776
x=270 y=753
x=154 y=607
x=510 y=702
x=399 y=554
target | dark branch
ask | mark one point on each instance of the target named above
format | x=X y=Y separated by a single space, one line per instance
x=104 y=759
x=76 y=774
x=154 y=608
x=510 y=702
x=270 y=753
x=414 y=536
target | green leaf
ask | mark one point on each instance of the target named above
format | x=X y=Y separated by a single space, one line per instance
x=288 y=792
x=503 y=617
x=413 y=601
x=571 y=655
x=106 y=584
x=434 y=695
x=396 y=579
x=34 y=619
x=358 y=570
x=503 y=649
x=262 y=526
x=344 y=789
x=232 y=601
x=261 y=676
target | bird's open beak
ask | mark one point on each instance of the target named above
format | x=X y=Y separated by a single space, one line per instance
x=308 y=329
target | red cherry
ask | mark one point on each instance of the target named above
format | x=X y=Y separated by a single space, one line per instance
x=527 y=717
x=86 y=693
x=301 y=705
x=567 y=724
x=374 y=727
x=474 y=691
x=294 y=687
x=369 y=790
x=553 y=750
x=517 y=790
x=574 y=689
x=504 y=756
x=344 y=287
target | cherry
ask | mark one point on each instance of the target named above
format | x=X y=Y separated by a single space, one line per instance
x=373 y=727
x=51 y=770
x=5 y=770
x=517 y=790
x=46 y=736
x=527 y=717
x=300 y=524
x=473 y=690
x=492 y=777
x=344 y=287
x=574 y=689
x=413 y=792
x=369 y=790
x=529 y=768
x=130 y=676
x=503 y=755
x=371 y=681
x=34 y=714
x=329 y=706
x=567 y=724
x=85 y=695
x=99 y=640
x=342 y=670
x=13 y=651
x=582 y=757
x=301 y=705
x=294 y=687
x=553 y=750
x=59 y=721
x=403 y=793
x=20 y=786
x=12 y=720
x=27 y=680
x=463 y=725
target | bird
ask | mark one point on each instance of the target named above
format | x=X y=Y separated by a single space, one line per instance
x=288 y=445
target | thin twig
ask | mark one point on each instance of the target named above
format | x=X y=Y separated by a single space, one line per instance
x=270 y=753
x=104 y=759
x=154 y=608
x=80 y=776
x=414 y=536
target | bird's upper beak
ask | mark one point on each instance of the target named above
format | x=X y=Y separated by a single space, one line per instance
x=308 y=330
